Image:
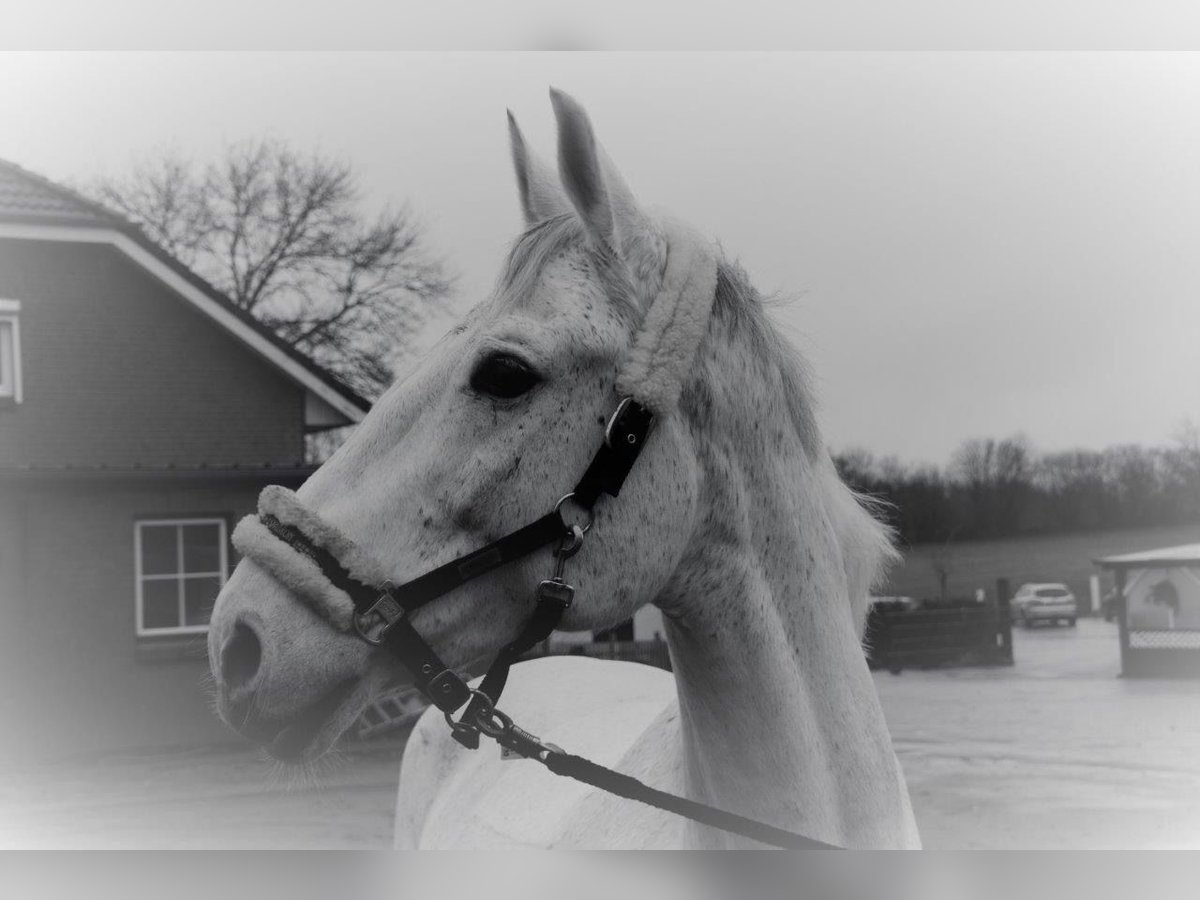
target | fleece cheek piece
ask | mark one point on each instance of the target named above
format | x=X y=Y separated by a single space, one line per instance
x=666 y=345
x=294 y=569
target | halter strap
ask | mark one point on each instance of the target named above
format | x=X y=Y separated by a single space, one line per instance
x=380 y=610
x=387 y=607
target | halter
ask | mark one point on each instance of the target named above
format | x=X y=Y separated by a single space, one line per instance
x=311 y=556
x=380 y=610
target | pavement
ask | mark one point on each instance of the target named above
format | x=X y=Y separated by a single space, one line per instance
x=1055 y=751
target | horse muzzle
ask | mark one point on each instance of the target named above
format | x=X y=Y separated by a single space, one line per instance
x=283 y=678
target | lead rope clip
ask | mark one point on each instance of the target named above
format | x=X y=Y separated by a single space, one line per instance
x=555 y=588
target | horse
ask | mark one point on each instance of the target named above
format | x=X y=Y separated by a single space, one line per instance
x=733 y=522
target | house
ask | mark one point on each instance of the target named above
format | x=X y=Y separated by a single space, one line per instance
x=141 y=413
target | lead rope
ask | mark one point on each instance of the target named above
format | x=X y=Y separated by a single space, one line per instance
x=482 y=717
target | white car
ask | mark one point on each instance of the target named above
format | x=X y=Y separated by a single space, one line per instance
x=1044 y=602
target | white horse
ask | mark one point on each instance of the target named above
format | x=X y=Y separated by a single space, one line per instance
x=733 y=522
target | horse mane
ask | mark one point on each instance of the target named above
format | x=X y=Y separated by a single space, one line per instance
x=738 y=310
x=868 y=545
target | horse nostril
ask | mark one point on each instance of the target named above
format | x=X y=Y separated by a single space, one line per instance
x=241 y=657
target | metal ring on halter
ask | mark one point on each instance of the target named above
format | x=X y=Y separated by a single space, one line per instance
x=485 y=719
x=591 y=514
x=570 y=544
x=488 y=725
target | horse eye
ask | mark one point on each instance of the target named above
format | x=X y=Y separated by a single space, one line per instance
x=503 y=376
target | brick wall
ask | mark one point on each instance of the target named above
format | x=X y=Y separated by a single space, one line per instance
x=74 y=677
x=119 y=370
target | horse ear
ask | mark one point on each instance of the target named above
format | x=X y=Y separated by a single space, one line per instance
x=537 y=183
x=601 y=198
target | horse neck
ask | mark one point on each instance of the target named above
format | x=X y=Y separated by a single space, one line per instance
x=778 y=714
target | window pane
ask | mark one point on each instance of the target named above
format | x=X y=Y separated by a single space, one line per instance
x=160 y=553
x=198 y=597
x=160 y=603
x=202 y=548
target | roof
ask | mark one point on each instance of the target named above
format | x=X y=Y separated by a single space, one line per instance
x=26 y=196
x=1163 y=558
x=32 y=206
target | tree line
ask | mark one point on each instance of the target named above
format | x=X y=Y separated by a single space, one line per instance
x=995 y=488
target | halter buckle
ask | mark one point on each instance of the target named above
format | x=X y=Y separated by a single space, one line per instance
x=555 y=590
x=374 y=623
x=619 y=433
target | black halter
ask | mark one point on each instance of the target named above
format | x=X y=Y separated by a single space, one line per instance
x=381 y=611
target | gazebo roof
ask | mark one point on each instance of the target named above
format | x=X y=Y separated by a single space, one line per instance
x=1163 y=558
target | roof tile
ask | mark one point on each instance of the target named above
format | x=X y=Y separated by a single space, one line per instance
x=24 y=194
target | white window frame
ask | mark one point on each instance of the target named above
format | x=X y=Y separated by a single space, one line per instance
x=181 y=576
x=10 y=320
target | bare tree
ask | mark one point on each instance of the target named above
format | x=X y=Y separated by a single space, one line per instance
x=1183 y=464
x=1075 y=488
x=997 y=476
x=282 y=234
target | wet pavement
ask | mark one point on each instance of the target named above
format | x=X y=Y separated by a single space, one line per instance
x=1056 y=751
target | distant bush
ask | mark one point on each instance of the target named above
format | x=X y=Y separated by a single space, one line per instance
x=1003 y=488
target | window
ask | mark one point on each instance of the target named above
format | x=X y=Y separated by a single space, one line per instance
x=10 y=351
x=1052 y=592
x=181 y=565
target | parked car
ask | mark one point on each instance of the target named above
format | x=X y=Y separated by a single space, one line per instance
x=1044 y=602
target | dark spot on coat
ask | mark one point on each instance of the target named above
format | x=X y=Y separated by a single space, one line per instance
x=512 y=469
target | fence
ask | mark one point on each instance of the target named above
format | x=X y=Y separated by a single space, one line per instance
x=393 y=711
x=924 y=638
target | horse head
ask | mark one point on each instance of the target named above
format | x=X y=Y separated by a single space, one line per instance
x=489 y=430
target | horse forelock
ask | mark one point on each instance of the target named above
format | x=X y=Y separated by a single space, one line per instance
x=551 y=239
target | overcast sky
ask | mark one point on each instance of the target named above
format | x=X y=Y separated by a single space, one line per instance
x=975 y=244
